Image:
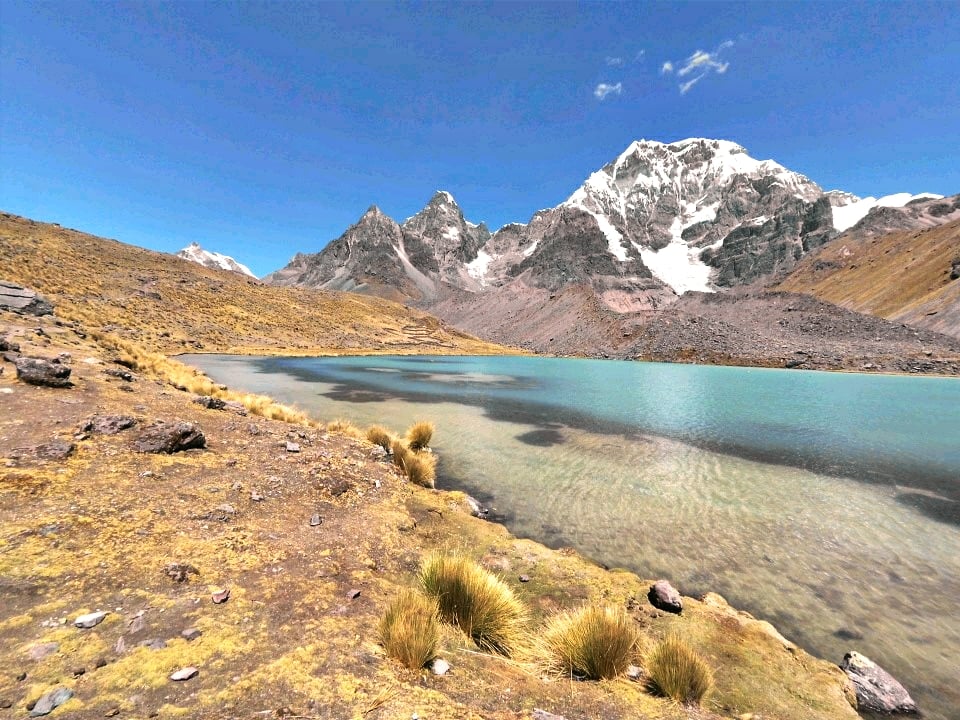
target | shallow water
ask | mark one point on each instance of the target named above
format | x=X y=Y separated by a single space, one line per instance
x=828 y=504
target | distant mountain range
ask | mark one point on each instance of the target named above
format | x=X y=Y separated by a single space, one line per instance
x=215 y=260
x=658 y=221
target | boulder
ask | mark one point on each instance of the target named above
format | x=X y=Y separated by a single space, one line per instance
x=108 y=424
x=36 y=371
x=664 y=596
x=210 y=403
x=877 y=690
x=24 y=301
x=55 y=450
x=7 y=345
x=170 y=437
x=48 y=702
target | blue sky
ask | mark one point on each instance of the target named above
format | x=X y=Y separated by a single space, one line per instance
x=261 y=130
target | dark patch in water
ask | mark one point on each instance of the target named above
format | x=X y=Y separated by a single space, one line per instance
x=942 y=509
x=356 y=395
x=541 y=438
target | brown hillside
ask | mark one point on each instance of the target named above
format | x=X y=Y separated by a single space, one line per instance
x=902 y=276
x=175 y=305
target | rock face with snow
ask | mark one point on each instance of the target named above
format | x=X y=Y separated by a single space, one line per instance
x=660 y=220
x=215 y=260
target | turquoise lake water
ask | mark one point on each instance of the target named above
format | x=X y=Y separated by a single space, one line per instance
x=826 y=503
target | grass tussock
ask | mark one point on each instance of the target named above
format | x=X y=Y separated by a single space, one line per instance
x=595 y=642
x=345 y=427
x=379 y=435
x=676 y=671
x=476 y=601
x=420 y=468
x=409 y=630
x=419 y=435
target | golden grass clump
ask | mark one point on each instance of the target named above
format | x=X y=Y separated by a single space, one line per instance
x=409 y=631
x=419 y=435
x=379 y=435
x=420 y=468
x=596 y=642
x=676 y=671
x=345 y=427
x=476 y=601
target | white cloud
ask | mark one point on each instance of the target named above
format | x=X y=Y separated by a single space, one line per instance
x=700 y=64
x=601 y=91
x=614 y=61
x=639 y=56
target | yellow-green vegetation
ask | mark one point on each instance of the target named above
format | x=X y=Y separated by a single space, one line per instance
x=409 y=631
x=419 y=467
x=676 y=671
x=476 y=601
x=345 y=427
x=419 y=435
x=379 y=435
x=597 y=641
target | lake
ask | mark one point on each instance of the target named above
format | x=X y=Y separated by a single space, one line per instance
x=826 y=503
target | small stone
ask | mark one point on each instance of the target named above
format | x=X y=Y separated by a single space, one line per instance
x=256 y=496
x=220 y=597
x=190 y=634
x=21 y=677
x=634 y=672
x=184 y=674
x=154 y=644
x=544 y=715
x=77 y=672
x=50 y=701
x=120 y=647
x=101 y=662
x=353 y=594
x=439 y=666
x=211 y=403
x=524 y=578
x=227 y=509
x=315 y=520
x=112 y=712
x=293 y=447
x=664 y=596
x=180 y=572
x=90 y=619
x=5 y=703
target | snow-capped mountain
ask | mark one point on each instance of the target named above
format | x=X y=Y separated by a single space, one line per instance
x=659 y=220
x=197 y=254
x=849 y=209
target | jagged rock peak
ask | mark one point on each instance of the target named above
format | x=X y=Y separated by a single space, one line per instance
x=442 y=197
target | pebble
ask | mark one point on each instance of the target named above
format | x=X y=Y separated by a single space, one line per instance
x=524 y=578
x=191 y=634
x=353 y=594
x=634 y=672
x=90 y=619
x=21 y=677
x=50 y=701
x=255 y=496
x=293 y=447
x=227 y=509
x=539 y=714
x=315 y=520
x=154 y=644
x=439 y=666
x=77 y=672
x=184 y=674
x=221 y=596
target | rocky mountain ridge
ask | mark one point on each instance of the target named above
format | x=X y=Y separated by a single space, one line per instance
x=660 y=220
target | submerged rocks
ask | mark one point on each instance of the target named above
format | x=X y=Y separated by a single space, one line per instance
x=36 y=371
x=877 y=690
x=664 y=596
x=170 y=437
x=23 y=300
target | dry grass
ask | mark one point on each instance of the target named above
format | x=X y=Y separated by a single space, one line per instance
x=409 y=631
x=676 y=671
x=345 y=427
x=476 y=601
x=420 y=468
x=379 y=435
x=419 y=435
x=595 y=642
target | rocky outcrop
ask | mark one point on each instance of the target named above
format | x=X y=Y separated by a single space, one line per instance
x=108 y=424
x=170 y=437
x=877 y=690
x=23 y=300
x=36 y=371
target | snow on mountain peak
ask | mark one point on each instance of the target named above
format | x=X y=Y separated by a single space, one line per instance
x=207 y=258
x=852 y=209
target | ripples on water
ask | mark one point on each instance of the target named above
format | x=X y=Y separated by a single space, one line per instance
x=825 y=503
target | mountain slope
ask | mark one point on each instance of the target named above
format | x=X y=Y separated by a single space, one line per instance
x=903 y=276
x=175 y=306
x=207 y=258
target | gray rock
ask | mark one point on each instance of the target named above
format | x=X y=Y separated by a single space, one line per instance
x=191 y=634
x=154 y=644
x=293 y=447
x=48 y=702
x=210 y=403
x=7 y=345
x=170 y=437
x=877 y=690
x=23 y=300
x=634 y=672
x=36 y=371
x=39 y=652
x=439 y=666
x=184 y=674
x=108 y=424
x=124 y=375
x=315 y=520
x=544 y=715
x=90 y=619
x=664 y=596
x=55 y=450
x=237 y=407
